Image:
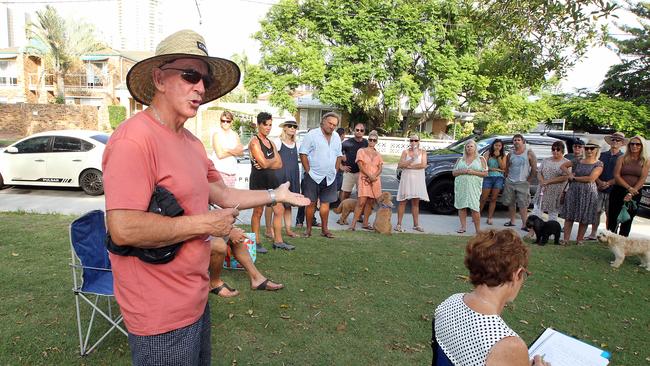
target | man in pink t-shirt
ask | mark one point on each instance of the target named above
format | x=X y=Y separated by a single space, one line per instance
x=165 y=305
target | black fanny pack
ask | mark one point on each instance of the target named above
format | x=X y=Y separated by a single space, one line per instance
x=163 y=203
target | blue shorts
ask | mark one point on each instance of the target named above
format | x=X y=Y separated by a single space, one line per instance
x=493 y=182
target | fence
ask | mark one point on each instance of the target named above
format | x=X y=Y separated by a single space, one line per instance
x=395 y=145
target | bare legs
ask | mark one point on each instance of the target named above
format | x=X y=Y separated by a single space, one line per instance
x=492 y=195
x=287 y=222
x=278 y=214
x=401 y=208
x=324 y=211
x=361 y=205
x=462 y=216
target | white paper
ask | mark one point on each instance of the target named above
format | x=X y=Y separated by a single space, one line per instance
x=561 y=350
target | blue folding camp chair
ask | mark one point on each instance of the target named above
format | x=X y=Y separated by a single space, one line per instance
x=92 y=276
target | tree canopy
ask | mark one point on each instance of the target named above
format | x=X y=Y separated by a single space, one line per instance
x=630 y=79
x=375 y=56
x=60 y=43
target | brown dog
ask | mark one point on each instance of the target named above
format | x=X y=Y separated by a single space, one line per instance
x=344 y=209
x=382 y=222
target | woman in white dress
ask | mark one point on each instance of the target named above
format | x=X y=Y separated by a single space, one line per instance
x=412 y=186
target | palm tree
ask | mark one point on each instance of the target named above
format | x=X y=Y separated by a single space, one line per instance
x=60 y=43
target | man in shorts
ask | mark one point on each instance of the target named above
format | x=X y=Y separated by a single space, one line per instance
x=320 y=155
x=521 y=168
x=349 y=165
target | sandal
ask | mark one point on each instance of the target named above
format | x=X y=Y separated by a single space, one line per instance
x=369 y=227
x=399 y=229
x=508 y=224
x=327 y=234
x=418 y=228
x=291 y=234
x=460 y=231
x=489 y=221
x=264 y=286
x=217 y=290
x=351 y=229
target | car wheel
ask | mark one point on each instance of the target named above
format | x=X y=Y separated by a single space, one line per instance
x=92 y=182
x=441 y=197
x=2 y=182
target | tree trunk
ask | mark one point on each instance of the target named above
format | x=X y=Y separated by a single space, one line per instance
x=60 y=88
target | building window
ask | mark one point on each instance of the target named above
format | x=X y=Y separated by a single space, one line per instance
x=96 y=73
x=8 y=74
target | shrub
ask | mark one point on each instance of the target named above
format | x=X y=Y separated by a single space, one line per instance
x=116 y=114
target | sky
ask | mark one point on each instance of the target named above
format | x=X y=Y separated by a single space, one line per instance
x=227 y=26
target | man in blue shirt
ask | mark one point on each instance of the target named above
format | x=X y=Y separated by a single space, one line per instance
x=320 y=155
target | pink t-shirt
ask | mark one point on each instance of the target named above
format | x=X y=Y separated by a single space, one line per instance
x=141 y=153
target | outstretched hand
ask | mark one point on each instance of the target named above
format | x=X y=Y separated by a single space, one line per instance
x=283 y=194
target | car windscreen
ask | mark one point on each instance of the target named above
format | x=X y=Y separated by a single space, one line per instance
x=458 y=148
x=101 y=138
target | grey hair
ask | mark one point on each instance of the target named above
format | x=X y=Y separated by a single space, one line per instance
x=330 y=114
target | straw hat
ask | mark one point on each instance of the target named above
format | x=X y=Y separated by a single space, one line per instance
x=289 y=123
x=619 y=135
x=182 y=44
x=592 y=143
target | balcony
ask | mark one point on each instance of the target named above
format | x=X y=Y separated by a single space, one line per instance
x=8 y=81
x=73 y=82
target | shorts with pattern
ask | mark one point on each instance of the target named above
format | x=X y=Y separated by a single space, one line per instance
x=189 y=345
x=516 y=192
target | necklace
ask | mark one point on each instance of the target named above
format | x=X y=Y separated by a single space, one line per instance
x=155 y=114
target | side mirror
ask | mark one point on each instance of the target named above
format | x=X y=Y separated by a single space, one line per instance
x=11 y=150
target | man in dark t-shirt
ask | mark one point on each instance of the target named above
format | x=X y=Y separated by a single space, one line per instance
x=606 y=181
x=348 y=164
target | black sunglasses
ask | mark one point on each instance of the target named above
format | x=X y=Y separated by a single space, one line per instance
x=291 y=126
x=359 y=130
x=225 y=121
x=372 y=140
x=412 y=140
x=634 y=143
x=590 y=148
x=193 y=76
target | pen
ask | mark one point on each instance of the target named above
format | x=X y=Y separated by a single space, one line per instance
x=215 y=206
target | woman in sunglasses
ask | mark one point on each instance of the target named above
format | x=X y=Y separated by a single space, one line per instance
x=581 y=199
x=412 y=185
x=226 y=146
x=369 y=184
x=550 y=183
x=630 y=173
x=287 y=147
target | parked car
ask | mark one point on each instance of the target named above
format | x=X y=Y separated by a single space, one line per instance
x=69 y=158
x=438 y=176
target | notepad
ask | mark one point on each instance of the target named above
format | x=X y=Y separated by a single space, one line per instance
x=561 y=350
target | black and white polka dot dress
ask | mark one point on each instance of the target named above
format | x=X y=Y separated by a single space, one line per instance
x=466 y=336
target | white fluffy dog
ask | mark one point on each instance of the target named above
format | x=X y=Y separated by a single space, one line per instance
x=622 y=247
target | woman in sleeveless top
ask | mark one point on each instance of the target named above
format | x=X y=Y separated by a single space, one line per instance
x=469 y=172
x=287 y=147
x=551 y=181
x=493 y=183
x=412 y=185
x=265 y=161
x=467 y=327
x=226 y=146
x=368 y=184
x=630 y=174
x=581 y=199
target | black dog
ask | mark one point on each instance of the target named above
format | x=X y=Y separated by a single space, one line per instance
x=544 y=229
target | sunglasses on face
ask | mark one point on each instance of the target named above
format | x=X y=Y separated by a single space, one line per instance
x=359 y=129
x=617 y=140
x=590 y=148
x=193 y=76
x=291 y=126
x=634 y=143
x=225 y=121
x=412 y=140
x=372 y=140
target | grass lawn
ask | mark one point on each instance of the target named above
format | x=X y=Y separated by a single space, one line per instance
x=362 y=299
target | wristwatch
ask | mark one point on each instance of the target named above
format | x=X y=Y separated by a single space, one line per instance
x=272 y=196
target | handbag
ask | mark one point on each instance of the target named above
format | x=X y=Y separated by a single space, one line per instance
x=624 y=215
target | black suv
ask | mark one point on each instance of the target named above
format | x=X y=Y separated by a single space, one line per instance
x=440 y=181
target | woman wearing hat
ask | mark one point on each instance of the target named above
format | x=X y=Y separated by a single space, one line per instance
x=412 y=186
x=581 y=199
x=631 y=172
x=287 y=147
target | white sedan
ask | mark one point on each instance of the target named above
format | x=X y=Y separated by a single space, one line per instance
x=68 y=158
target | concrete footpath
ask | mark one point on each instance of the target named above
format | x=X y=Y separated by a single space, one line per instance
x=74 y=202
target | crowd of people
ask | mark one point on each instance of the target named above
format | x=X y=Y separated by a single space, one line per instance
x=578 y=187
x=165 y=306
